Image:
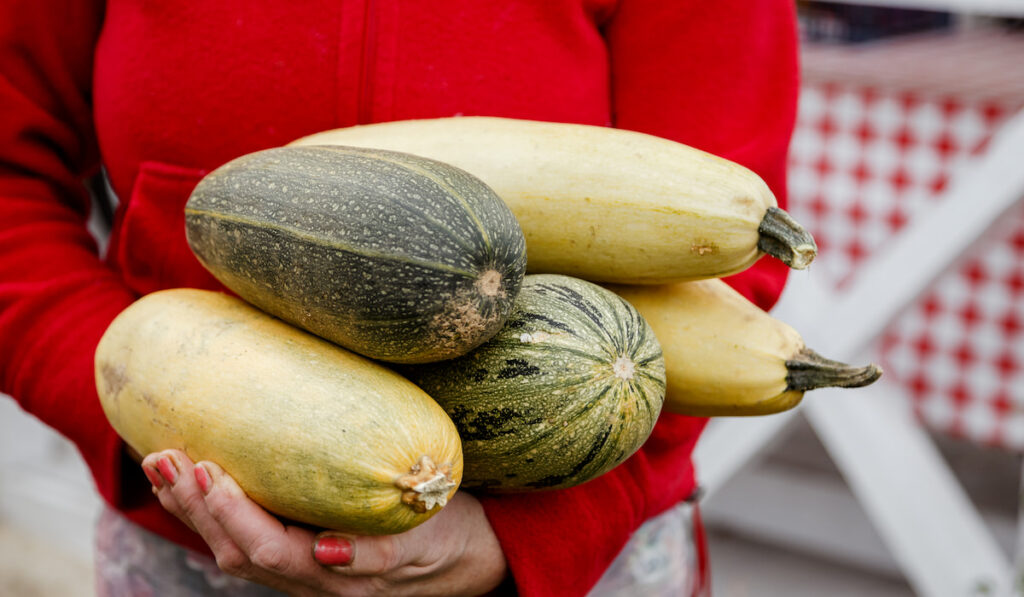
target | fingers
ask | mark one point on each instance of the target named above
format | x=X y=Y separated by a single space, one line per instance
x=249 y=542
x=175 y=484
x=266 y=543
x=285 y=550
x=163 y=472
x=244 y=536
x=360 y=556
x=453 y=553
x=246 y=541
x=417 y=553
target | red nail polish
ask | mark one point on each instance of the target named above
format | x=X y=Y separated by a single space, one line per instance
x=167 y=470
x=333 y=551
x=153 y=476
x=202 y=478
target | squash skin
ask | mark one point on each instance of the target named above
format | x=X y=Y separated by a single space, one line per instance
x=725 y=356
x=310 y=431
x=540 y=405
x=602 y=203
x=396 y=257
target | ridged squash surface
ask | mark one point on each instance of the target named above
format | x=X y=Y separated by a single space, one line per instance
x=309 y=430
x=570 y=388
x=393 y=256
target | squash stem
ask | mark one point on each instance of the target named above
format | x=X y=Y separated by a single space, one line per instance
x=809 y=370
x=426 y=485
x=785 y=239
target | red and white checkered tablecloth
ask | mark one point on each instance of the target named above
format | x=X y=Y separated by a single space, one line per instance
x=881 y=131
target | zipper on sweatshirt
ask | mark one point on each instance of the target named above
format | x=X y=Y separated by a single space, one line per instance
x=367 y=64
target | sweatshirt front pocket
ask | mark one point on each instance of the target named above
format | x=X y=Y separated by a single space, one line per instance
x=152 y=252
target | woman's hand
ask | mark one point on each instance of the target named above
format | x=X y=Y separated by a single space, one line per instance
x=453 y=553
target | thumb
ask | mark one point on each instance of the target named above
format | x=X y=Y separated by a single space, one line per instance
x=358 y=555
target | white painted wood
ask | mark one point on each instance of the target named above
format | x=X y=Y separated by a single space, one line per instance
x=1018 y=548
x=814 y=514
x=1001 y=8
x=801 y=512
x=900 y=479
x=891 y=465
x=889 y=280
x=729 y=446
x=843 y=325
x=916 y=503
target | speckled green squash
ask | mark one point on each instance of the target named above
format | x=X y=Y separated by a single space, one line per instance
x=396 y=257
x=570 y=388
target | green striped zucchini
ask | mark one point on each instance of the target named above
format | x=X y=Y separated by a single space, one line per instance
x=396 y=257
x=570 y=388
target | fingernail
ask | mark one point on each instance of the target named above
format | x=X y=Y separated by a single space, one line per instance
x=167 y=470
x=203 y=478
x=333 y=551
x=153 y=476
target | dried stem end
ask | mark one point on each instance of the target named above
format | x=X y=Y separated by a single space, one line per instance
x=785 y=239
x=426 y=485
x=809 y=370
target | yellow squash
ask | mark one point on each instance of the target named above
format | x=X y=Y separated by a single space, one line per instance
x=725 y=356
x=606 y=204
x=310 y=431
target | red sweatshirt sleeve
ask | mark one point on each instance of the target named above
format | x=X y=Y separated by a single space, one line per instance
x=56 y=295
x=721 y=76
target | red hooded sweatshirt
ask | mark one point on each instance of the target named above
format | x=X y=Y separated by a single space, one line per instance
x=160 y=93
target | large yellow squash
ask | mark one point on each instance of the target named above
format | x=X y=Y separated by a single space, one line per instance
x=606 y=204
x=310 y=431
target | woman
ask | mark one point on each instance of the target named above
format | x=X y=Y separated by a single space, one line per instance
x=160 y=93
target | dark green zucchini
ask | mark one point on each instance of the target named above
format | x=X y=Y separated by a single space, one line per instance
x=570 y=388
x=396 y=257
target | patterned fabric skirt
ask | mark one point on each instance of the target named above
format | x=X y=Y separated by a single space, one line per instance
x=665 y=557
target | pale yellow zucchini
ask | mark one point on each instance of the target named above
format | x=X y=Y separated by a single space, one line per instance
x=606 y=204
x=726 y=356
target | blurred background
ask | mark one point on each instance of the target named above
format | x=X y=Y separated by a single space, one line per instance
x=908 y=166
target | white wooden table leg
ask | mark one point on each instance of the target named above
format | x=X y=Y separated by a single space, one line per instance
x=908 y=491
x=888 y=460
x=1018 y=556
x=903 y=482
